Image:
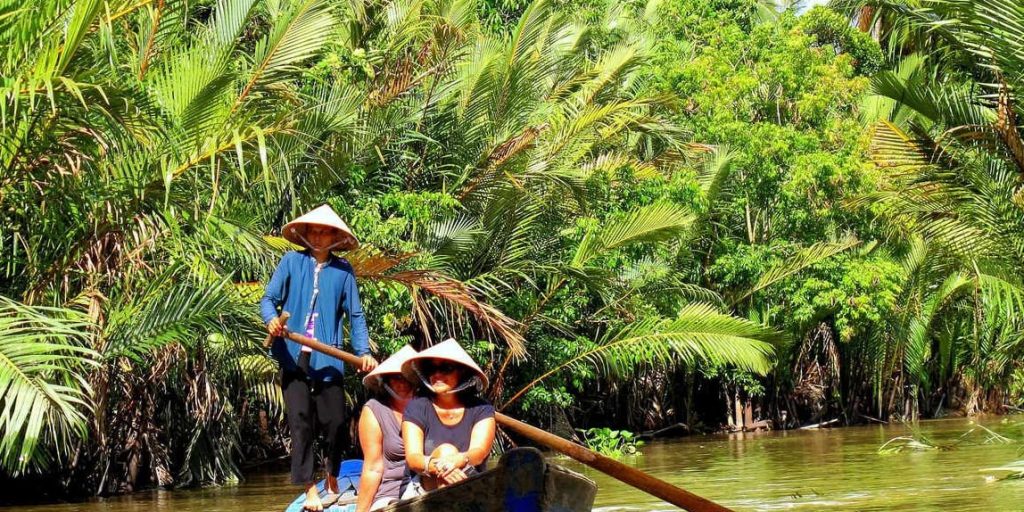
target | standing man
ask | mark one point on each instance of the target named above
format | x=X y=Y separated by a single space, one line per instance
x=318 y=290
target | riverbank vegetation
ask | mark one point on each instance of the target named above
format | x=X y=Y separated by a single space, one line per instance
x=632 y=214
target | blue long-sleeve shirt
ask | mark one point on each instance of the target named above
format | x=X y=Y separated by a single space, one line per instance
x=290 y=289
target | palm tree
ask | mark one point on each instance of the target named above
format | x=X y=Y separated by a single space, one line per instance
x=147 y=148
x=516 y=132
x=43 y=356
x=945 y=127
x=151 y=149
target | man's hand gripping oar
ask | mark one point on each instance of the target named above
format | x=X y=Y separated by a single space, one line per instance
x=278 y=328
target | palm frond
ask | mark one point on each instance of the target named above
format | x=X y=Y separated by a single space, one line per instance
x=367 y=263
x=230 y=17
x=84 y=14
x=460 y=296
x=801 y=260
x=452 y=237
x=699 y=334
x=716 y=171
x=297 y=36
x=653 y=223
x=44 y=396
x=918 y=342
x=166 y=312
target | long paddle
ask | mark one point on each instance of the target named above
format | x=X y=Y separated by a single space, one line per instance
x=652 y=485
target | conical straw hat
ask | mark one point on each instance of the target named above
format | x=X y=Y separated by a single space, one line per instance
x=390 y=366
x=449 y=350
x=295 y=231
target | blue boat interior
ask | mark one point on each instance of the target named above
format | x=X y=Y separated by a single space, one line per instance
x=348 y=485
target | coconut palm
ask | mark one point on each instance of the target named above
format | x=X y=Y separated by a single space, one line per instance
x=148 y=147
x=945 y=127
x=151 y=150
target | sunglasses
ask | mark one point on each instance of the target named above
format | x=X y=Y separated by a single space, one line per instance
x=432 y=368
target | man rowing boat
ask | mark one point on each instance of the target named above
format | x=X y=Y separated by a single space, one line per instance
x=318 y=290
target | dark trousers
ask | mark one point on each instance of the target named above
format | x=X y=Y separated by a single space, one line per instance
x=313 y=407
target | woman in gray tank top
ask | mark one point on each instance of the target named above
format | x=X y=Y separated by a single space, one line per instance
x=385 y=474
x=448 y=434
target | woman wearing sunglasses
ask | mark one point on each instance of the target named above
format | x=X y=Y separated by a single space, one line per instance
x=385 y=474
x=448 y=434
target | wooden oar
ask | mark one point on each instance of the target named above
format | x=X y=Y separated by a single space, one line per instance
x=652 y=485
x=324 y=348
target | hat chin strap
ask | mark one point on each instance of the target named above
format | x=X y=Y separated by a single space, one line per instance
x=310 y=245
x=473 y=382
x=387 y=387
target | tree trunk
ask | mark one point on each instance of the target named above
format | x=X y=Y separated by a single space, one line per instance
x=728 y=410
x=739 y=410
x=865 y=18
x=972 y=405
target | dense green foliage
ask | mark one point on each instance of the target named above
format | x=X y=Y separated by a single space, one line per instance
x=944 y=123
x=629 y=213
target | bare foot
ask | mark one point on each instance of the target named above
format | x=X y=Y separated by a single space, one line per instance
x=312 y=503
x=332 y=493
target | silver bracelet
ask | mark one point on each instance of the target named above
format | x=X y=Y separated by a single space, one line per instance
x=426 y=465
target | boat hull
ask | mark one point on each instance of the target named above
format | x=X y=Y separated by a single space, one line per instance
x=522 y=482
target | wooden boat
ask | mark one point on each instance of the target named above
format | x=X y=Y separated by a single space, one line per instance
x=521 y=482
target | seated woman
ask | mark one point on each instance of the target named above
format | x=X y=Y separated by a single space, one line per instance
x=384 y=475
x=447 y=435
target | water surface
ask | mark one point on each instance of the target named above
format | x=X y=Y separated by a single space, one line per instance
x=838 y=469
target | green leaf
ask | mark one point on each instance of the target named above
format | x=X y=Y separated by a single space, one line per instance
x=44 y=396
x=652 y=223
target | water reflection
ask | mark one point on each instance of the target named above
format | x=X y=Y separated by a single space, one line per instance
x=836 y=469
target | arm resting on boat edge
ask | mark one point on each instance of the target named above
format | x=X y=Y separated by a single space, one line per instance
x=420 y=462
x=371 y=439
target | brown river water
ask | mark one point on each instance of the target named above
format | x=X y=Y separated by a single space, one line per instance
x=838 y=469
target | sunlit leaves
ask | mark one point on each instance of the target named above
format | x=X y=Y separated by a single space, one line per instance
x=700 y=333
x=44 y=397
